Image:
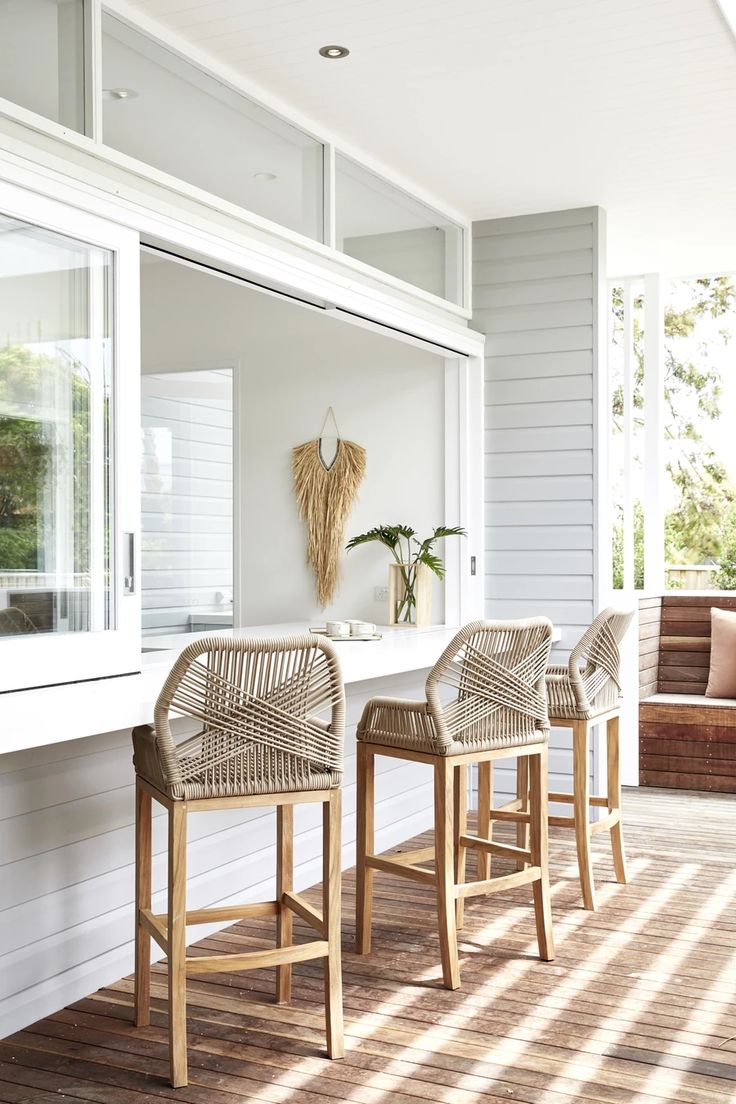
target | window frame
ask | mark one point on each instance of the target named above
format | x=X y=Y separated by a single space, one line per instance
x=93 y=139
x=49 y=659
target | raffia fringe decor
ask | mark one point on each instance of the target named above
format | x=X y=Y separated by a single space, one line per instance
x=325 y=496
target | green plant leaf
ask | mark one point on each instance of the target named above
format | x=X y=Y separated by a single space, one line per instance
x=434 y=563
x=384 y=534
x=391 y=535
x=448 y=531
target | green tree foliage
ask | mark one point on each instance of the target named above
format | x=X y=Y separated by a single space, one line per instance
x=694 y=530
x=618 y=549
x=32 y=457
x=726 y=577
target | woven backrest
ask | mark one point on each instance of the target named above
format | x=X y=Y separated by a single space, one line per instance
x=272 y=713
x=497 y=671
x=595 y=661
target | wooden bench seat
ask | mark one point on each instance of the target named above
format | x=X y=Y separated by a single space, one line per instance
x=686 y=740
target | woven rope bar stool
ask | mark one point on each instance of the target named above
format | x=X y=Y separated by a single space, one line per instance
x=272 y=717
x=493 y=674
x=581 y=695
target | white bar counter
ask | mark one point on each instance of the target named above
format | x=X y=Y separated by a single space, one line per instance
x=38 y=718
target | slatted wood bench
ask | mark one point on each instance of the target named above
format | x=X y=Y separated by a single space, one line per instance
x=686 y=741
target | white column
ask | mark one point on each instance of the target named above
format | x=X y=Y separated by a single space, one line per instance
x=653 y=435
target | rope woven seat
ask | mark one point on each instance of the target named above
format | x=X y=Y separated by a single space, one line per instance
x=496 y=670
x=258 y=702
x=485 y=700
x=270 y=720
x=590 y=684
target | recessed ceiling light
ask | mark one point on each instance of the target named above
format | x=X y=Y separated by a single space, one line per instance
x=264 y=176
x=119 y=94
x=334 y=51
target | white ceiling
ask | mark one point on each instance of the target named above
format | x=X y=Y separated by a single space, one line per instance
x=503 y=107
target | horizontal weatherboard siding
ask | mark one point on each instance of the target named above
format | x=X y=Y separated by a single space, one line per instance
x=534 y=288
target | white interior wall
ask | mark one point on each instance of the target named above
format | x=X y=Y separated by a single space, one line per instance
x=293 y=364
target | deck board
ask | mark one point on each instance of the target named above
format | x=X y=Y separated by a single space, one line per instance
x=639 y=1006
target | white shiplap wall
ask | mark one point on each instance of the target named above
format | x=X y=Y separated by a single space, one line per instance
x=187 y=503
x=536 y=281
x=67 y=845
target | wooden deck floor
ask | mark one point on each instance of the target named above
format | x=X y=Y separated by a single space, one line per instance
x=639 y=1006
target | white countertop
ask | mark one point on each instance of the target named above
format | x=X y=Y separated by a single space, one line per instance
x=36 y=718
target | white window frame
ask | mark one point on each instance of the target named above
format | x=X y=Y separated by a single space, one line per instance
x=50 y=658
x=649 y=492
x=92 y=140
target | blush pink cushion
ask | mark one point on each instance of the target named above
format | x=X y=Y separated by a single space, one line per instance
x=722 y=674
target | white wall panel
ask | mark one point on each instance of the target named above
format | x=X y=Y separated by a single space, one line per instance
x=535 y=297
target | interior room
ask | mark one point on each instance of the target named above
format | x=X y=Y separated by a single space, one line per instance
x=253 y=375
x=367 y=551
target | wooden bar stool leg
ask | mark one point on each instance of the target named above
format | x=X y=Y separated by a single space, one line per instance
x=485 y=824
x=284 y=884
x=365 y=845
x=142 y=998
x=461 y=825
x=331 y=880
x=581 y=807
x=539 y=845
x=445 y=866
x=522 y=794
x=176 y=927
x=614 y=798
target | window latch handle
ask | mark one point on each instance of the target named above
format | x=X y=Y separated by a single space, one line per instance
x=130 y=566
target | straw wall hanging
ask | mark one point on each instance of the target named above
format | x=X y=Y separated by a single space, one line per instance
x=325 y=494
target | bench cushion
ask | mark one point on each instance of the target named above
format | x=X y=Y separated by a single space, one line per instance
x=722 y=673
x=691 y=699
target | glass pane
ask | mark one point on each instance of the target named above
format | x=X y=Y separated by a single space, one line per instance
x=383 y=226
x=699 y=483
x=165 y=111
x=187 y=480
x=55 y=375
x=42 y=58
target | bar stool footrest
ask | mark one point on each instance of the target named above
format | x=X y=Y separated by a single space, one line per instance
x=503 y=850
x=257 y=960
x=496 y=885
x=402 y=869
x=568 y=798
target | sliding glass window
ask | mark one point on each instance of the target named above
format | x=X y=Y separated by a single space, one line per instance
x=55 y=391
x=42 y=58
x=385 y=227
x=164 y=110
